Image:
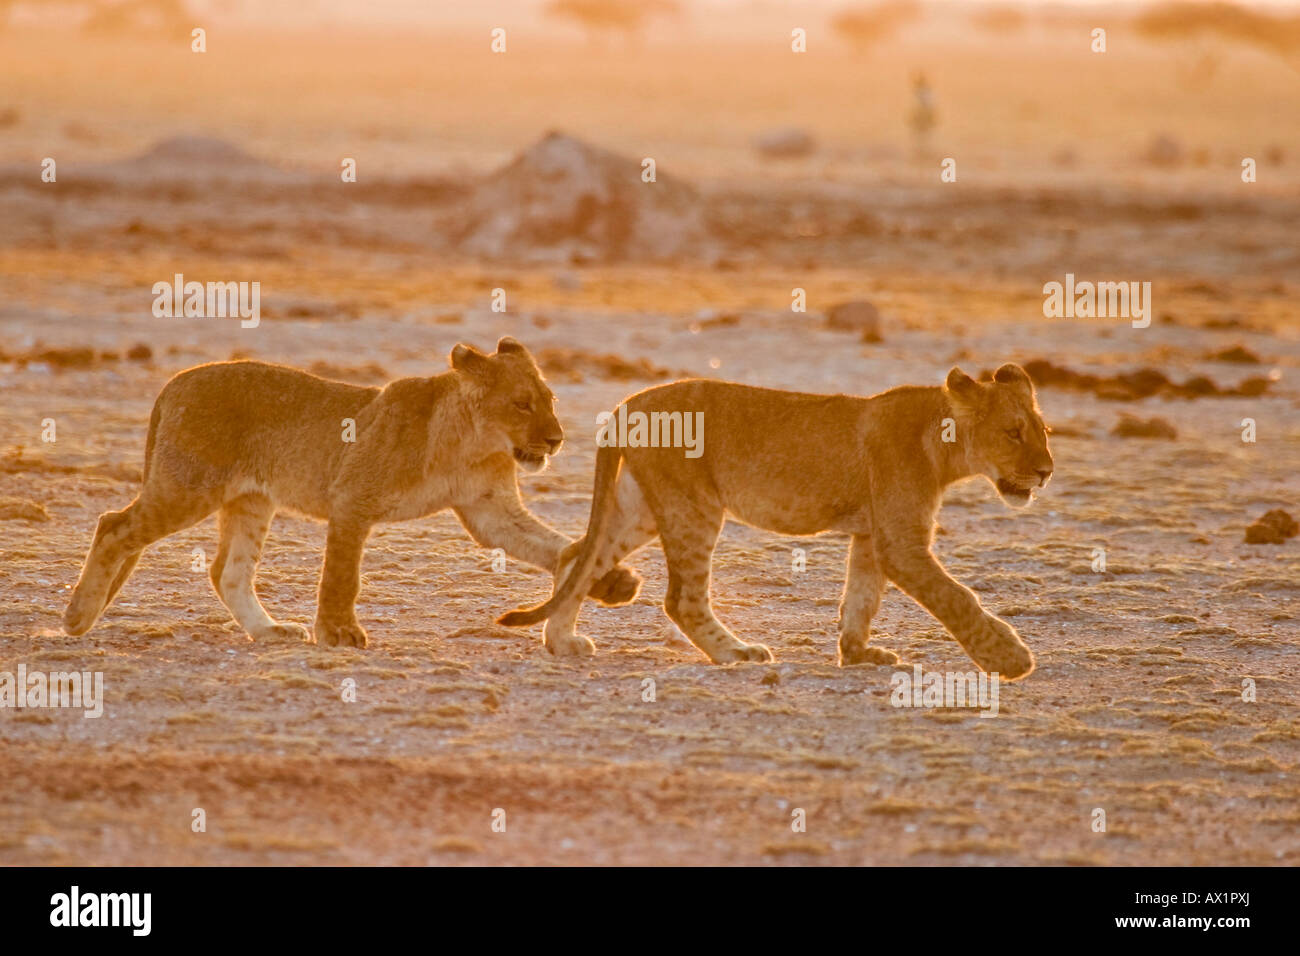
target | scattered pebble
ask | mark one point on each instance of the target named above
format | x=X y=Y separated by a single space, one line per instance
x=20 y=509
x=1273 y=528
x=860 y=316
x=1238 y=354
x=1130 y=426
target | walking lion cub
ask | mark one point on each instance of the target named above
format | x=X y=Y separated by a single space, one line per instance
x=248 y=438
x=798 y=464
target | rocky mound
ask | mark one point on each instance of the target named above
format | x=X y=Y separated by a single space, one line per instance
x=194 y=158
x=566 y=200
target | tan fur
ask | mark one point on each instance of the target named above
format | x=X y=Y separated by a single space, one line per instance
x=874 y=468
x=248 y=439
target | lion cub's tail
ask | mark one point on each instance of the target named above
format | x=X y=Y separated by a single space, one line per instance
x=608 y=460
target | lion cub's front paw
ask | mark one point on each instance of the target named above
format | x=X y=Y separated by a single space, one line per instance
x=866 y=654
x=569 y=645
x=999 y=649
x=283 y=632
x=1012 y=662
x=340 y=634
x=620 y=585
x=743 y=652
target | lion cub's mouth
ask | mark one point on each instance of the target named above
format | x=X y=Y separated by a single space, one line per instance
x=528 y=458
x=1012 y=490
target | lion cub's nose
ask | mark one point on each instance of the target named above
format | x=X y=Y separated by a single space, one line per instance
x=1043 y=475
x=554 y=444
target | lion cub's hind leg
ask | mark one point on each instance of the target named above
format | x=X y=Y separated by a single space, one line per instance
x=688 y=535
x=631 y=526
x=123 y=572
x=244 y=523
x=862 y=592
x=120 y=536
x=102 y=573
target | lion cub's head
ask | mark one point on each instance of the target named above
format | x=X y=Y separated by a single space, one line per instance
x=1005 y=438
x=513 y=400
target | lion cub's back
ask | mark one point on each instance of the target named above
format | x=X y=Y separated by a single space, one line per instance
x=787 y=461
x=230 y=421
x=748 y=422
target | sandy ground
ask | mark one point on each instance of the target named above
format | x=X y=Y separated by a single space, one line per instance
x=1136 y=706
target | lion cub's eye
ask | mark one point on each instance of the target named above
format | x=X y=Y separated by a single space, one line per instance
x=1013 y=434
x=524 y=406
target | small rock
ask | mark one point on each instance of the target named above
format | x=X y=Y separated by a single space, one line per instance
x=1273 y=528
x=1250 y=387
x=1130 y=426
x=860 y=316
x=1066 y=156
x=1164 y=150
x=787 y=143
x=1200 y=385
x=1238 y=353
x=71 y=357
x=719 y=319
x=20 y=509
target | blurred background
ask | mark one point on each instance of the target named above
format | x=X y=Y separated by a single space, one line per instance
x=1015 y=90
x=1065 y=157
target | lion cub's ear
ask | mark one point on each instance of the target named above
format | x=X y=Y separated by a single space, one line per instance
x=508 y=344
x=961 y=388
x=1013 y=374
x=466 y=358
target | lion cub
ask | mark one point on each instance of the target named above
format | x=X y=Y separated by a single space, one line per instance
x=875 y=468
x=248 y=439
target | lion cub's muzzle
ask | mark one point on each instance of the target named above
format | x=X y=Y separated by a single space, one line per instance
x=535 y=455
x=1019 y=488
x=1014 y=489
